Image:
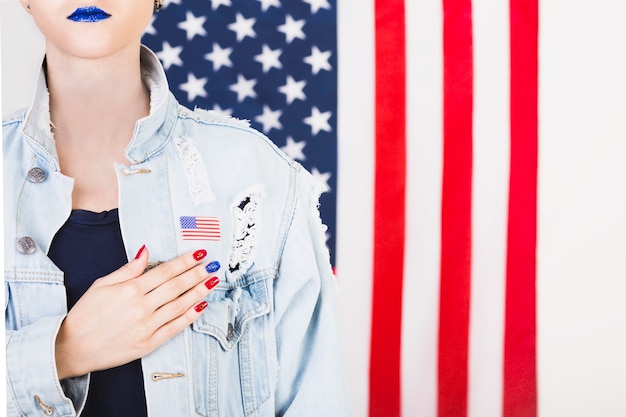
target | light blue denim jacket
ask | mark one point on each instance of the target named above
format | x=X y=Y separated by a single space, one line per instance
x=268 y=342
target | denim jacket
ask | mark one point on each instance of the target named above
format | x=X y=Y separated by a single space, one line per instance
x=268 y=342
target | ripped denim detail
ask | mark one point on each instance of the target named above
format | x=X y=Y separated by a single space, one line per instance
x=213 y=116
x=245 y=214
x=195 y=171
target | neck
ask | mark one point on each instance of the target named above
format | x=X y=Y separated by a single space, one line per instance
x=97 y=100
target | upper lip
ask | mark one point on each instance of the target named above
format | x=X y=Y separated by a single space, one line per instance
x=88 y=13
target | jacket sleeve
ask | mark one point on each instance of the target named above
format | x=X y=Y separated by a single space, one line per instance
x=33 y=387
x=311 y=367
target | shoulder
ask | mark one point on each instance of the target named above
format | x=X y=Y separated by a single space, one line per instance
x=11 y=128
x=212 y=117
x=14 y=118
x=231 y=137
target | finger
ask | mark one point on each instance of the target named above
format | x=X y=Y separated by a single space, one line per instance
x=184 y=302
x=176 y=325
x=173 y=288
x=131 y=270
x=168 y=270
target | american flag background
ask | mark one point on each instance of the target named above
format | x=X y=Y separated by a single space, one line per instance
x=473 y=152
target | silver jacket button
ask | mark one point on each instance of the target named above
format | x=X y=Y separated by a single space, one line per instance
x=36 y=175
x=26 y=245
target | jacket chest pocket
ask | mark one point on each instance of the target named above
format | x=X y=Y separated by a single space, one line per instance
x=230 y=346
x=30 y=298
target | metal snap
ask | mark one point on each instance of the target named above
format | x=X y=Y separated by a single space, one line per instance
x=36 y=175
x=26 y=245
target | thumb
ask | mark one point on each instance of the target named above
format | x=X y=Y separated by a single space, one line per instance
x=131 y=270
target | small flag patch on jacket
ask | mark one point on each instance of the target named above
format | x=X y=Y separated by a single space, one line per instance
x=200 y=228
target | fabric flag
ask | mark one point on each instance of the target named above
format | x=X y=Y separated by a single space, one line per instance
x=276 y=64
x=422 y=117
x=453 y=133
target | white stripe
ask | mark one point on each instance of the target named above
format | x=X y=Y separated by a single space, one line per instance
x=201 y=233
x=355 y=188
x=582 y=209
x=423 y=223
x=489 y=205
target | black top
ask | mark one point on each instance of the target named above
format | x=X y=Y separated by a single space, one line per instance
x=87 y=247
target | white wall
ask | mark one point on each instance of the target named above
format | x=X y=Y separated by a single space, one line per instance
x=22 y=50
x=582 y=209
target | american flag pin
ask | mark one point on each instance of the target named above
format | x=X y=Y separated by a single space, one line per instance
x=200 y=228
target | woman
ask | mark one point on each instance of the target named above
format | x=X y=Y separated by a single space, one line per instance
x=228 y=306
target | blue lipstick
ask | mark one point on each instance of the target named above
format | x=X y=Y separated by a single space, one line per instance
x=88 y=14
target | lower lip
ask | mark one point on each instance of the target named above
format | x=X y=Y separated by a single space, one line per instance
x=88 y=14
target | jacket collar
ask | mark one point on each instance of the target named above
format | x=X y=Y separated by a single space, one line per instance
x=151 y=132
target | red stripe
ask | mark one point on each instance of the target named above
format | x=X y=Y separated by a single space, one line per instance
x=389 y=209
x=520 y=368
x=456 y=236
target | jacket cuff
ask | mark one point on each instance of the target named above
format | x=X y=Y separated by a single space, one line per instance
x=32 y=381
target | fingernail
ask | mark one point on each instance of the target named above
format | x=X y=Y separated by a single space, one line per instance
x=141 y=249
x=199 y=254
x=201 y=306
x=212 y=267
x=211 y=283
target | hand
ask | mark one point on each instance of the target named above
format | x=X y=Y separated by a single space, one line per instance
x=128 y=313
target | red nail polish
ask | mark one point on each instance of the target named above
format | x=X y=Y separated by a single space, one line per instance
x=201 y=306
x=199 y=254
x=212 y=282
x=141 y=249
